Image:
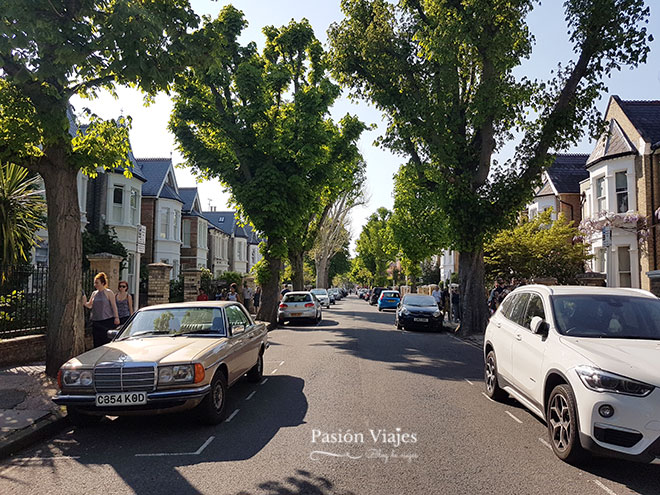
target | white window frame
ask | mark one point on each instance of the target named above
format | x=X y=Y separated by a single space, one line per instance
x=134 y=203
x=621 y=272
x=177 y=223
x=118 y=208
x=601 y=200
x=621 y=192
x=164 y=232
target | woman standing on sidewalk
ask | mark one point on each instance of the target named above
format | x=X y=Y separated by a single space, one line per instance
x=104 y=310
x=124 y=302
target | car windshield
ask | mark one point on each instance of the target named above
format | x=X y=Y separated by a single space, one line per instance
x=419 y=301
x=320 y=292
x=607 y=316
x=390 y=294
x=175 y=321
x=297 y=298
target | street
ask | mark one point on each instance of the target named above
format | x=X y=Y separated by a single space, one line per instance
x=349 y=406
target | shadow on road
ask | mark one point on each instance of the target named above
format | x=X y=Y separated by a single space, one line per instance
x=302 y=483
x=175 y=438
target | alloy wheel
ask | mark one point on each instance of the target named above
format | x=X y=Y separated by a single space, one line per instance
x=491 y=376
x=218 y=396
x=560 y=422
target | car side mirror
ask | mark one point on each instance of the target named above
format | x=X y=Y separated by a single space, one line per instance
x=538 y=326
x=112 y=334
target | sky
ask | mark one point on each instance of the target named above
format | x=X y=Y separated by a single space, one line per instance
x=150 y=137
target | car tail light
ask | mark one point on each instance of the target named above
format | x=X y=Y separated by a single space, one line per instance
x=199 y=373
x=283 y=306
x=309 y=305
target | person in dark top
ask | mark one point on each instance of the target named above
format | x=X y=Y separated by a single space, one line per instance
x=257 y=299
x=124 y=302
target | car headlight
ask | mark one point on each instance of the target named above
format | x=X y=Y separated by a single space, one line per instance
x=176 y=374
x=437 y=313
x=77 y=378
x=603 y=381
x=405 y=311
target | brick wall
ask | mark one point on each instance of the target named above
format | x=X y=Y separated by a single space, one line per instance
x=148 y=213
x=28 y=349
x=574 y=211
x=189 y=255
x=159 y=283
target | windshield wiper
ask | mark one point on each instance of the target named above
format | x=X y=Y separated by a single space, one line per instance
x=205 y=332
x=148 y=332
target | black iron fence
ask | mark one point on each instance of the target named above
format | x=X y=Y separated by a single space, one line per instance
x=24 y=299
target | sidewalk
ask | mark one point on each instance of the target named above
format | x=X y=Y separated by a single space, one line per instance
x=26 y=412
x=475 y=340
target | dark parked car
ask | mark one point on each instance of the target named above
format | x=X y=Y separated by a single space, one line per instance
x=375 y=294
x=418 y=311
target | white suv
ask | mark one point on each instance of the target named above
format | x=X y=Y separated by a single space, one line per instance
x=584 y=359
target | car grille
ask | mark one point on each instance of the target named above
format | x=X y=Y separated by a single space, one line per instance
x=118 y=378
x=617 y=437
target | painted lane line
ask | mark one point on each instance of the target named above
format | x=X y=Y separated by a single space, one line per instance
x=232 y=416
x=263 y=381
x=469 y=381
x=167 y=454
x=274 y=371
x=251 y=395
x=514 y=418
x=281 y=363
x=484 y=394
x=607 y=490
x=544 y=442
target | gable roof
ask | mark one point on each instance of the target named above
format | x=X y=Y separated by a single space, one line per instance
x=190 y=197
x=566 y=173
x=645 y=116
x=155 y=171
x=613 y=143
x=223 y=220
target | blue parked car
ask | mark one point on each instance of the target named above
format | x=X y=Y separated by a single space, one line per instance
x=389 y=299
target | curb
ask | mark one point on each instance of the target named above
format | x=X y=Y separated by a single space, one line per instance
x=42 y=429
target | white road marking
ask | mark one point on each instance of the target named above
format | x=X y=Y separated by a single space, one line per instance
x=544 y=442
x=232 y=416
x=251 y=395
x=166 y=454
x=484 y=394
x=607 y=490
x=263 y=381
x=469 y=381
x=281 y=363
x=514 y=418
x=274 y=371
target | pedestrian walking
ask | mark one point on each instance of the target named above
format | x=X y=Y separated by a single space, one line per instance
x=203 y=296
x=104 y=310
x=124 y=302
x=257 y=299
x=455 y=305
x=437 y=295
x=232 y=295
x=247 y=297
x=495 y=293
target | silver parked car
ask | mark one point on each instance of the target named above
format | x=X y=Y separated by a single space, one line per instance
x=300 y=305
x=323 y=296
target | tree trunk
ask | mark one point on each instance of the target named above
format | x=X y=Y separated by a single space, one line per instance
x=298 y=269
x=322 y=270
x=473 y=301
x=270 y=296
x=65 y=336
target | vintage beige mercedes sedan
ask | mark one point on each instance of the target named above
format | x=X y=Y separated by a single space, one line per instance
x=166 y=358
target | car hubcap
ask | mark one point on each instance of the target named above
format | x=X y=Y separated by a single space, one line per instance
x=490 y=374
x=560 y=422
x=218 y=396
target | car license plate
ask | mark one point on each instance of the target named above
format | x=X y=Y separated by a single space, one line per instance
x=421 y=320
x=296 y=314
x=121 y=399
x=390 y=300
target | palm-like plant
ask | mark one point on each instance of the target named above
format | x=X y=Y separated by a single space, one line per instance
x=22 y=213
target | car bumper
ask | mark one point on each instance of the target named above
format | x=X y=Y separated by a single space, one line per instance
x=294 y=315
x=409 y=321
x=633 y=432
x=388 y=305
x=158 y=401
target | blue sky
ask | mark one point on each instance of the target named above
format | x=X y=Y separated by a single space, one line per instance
x=150 y=138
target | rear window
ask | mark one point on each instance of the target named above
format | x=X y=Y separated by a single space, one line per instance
x=294 y=298
x=419 y=301
x=390 y=294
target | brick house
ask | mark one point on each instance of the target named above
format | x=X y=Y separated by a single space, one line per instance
x=194 y=248
x=622 y=193
x=560 y=188
x=161 y=213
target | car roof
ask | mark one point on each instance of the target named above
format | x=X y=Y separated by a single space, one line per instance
x=296 y=292
x=191 y=304
x=573 y=290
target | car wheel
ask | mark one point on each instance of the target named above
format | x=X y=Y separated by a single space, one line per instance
x=563 y=428
x=319 y=318
x=212 y=407
x=280 y=321
x=493 y=389
x=380 y=309
x=257 y=371
x=78 y=418
x=398 y=325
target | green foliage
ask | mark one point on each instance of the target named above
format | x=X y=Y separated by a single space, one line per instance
x=340 y=263
x=105 y=241
x=176 y=289
x=231 y=278
x=259 y=123
x=359 y=274
x=375 y=245
x=537 y=248
x=261 y=272
x=22 y=211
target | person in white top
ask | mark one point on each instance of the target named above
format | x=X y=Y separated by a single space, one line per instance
x=437 y=295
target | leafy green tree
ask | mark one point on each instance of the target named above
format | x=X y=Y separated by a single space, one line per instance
x=105 y=241
x=51 y=50
x=443 y=73
x=359 y=274
x=22 y=213
x=340 y=263
x=259 y=123
x=375 y=245
x=537 y=248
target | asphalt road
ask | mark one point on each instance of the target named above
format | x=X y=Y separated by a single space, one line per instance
x=405 y=410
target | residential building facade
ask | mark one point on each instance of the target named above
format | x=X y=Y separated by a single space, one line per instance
x=195 y=227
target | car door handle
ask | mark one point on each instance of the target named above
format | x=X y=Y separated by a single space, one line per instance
x=518 y=336
x=498 y=324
